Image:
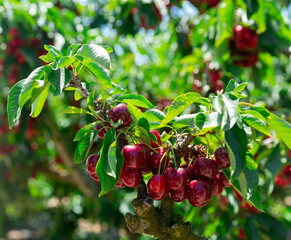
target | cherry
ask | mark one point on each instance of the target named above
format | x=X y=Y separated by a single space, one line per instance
x=222 y=157
x=91 y=163
x=134 y=156
x=247 y=59
x=157 y=195
x=179 y=195
x=245 y=38
x=120 y=183
x=146 y=148
x=217 y=186
x=158 y=136
x=242 y=234
x=131 y=177
x=176 y=179
x=199 y=192
x=94 y=176
x=223 y=179
x=280 y=181
x=157 y=183
x=101 y=134
x=156 y=158
x=197 y=86
x=190 y=170
x=205 y=168
x=120 y=112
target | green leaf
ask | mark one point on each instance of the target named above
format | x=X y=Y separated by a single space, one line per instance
x=90 y=100
x=74 y=110
x=255 y=199
x=59 y=79
x=103 y=167
x=281 y=127
x=231 y=86
x=73 y=49
x=143 y=122
x=255 y=123
x=187 y=120
x=253 y=113
x=84 y=130
x=96 y=53
x=260 y=16
x=237 y=147
x=112 y=159
x=179 y=104
x=77 y=95
x=54 y=49
x=135 y=112
x=251 y=173
x=38 y=99
x=107 y=48
x=207 y=121
x=84 y=146
x=230 y=112
x=63 y=62
x=216 y=104
x=136 y=100
x=240 y=87
x=99 y=73
x=13 y=108
x=154 y=115
x=144 y=135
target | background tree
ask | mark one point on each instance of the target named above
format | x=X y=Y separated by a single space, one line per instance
x=164 y=66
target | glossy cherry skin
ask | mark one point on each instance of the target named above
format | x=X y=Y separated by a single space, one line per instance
x=94 y=176
x=158 y=136
x=156 y=158
x=157 y=183
x=91 y=163
x=101 y=134
x=205 y=168
x=134 y=156
x=176 y=179
x=157 y=195
x=179 y=195
x=223 y=179
x=222 y=157
x=217 y=186
x=245 y=38
x=146 y=148
x=190 y=171
x=120 y=112
x=131 y=177
x=199 y=192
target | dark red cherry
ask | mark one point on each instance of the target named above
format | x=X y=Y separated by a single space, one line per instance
x=131 y=177
x=147 y=168
x=157 y=195
x=91 y=163
x=222 y=157
x=94 y=176
x=176 y=179
x=157 y=183
x=146 y=148
x=156 y=158
x=217 y=186
x=205 y=168
x=120 y=112
x=120 y=183
x=158 y=136
x=101 y=134
x=134 y=156
x=179 y=195
x=223 y=179
x=199 y=192
x=245 y=38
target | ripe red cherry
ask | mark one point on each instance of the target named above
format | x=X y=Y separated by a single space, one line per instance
x=158 y=136
x=120 y=112
x=223 y=179
x=131 y=177
x=134 y=156
x=179 y=195
x=197 y=86
x=176 y=179
x=190 y=171
x=146 y=148
x=205 y=168
x=101 y=134
x=157 y=183
x=217 y=186
x=94 y=176
x=158 y=195
x=199 y=192
x=156 y=158
x=91 y=163
x=245 y=38
x=222 y=157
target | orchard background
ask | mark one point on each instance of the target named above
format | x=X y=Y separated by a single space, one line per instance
x=161 y=50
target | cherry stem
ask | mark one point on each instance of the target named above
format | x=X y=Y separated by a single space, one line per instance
x=128 y=139
x=207 y=146
x=190 y=163
x=175 y=162
x=165 y=163
x=218 y=140
x=161 y=163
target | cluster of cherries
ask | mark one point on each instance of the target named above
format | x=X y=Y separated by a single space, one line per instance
x=243 y=46
x=197 y=180
x=284 y=177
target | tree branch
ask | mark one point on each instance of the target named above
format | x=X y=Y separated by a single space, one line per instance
x=76 y=82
